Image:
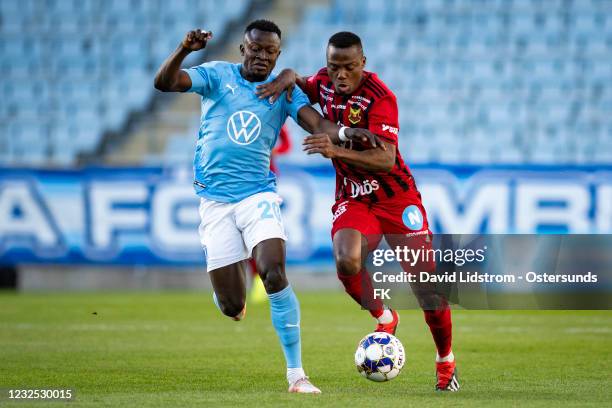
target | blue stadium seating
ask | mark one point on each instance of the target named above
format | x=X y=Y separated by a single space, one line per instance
x=477 y=81
x=482 y=81
x=71 y=70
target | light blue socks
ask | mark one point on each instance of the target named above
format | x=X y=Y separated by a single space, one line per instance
x=285 y=311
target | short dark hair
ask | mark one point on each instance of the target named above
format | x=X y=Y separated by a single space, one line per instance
x=263 y=25
x=345 y=39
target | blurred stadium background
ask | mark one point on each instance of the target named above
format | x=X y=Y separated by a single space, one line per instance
x=505 y=115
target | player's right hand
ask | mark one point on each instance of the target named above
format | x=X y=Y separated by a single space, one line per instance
x=196 y=40
x=284 y=81
x=320 y=143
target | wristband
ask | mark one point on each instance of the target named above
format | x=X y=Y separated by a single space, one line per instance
x=341 y=135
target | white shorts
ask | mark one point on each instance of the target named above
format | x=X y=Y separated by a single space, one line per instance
x=230 y=231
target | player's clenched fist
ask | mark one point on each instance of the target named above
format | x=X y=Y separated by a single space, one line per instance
x=196 y=40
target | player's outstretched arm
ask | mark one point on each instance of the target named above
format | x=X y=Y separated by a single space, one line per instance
x=170 y=77
x=285 y=81
x=312 y=121
x=380 y=160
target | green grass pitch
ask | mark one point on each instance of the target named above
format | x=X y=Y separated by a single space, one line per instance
x=175 y=349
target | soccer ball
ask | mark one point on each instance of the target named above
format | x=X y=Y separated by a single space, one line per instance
x=379 y=357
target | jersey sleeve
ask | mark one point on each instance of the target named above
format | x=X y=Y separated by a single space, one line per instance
x=383 y=119
x=310 y=89
x=299 y=100
x=204 y=78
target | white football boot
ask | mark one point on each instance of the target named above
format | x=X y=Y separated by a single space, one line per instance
x=304 y=386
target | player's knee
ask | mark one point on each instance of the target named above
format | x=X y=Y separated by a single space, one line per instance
x=231 y=307
x=431 y=302
x=273 y=276
x=347 y=264
x=426 y=297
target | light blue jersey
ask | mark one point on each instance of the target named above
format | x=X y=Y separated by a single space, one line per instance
x=237 y=132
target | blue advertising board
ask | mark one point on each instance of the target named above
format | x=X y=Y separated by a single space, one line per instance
x=149 y=215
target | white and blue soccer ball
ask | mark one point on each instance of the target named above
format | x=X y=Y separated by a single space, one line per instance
x=379 y=357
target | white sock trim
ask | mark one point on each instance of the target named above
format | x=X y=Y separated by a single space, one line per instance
x=386 y=317
x=449 y=358
x=294 y=374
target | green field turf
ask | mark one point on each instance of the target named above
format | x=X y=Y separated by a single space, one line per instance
x=175 y=349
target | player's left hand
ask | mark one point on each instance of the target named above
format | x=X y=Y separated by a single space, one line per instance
x=364 y=136
x=284 y=81
x=320 y=143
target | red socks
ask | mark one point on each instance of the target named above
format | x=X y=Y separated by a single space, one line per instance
x=359 y=287
x=441 y=327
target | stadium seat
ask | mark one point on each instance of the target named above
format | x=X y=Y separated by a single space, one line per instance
x=510 y=70
x=65 y=64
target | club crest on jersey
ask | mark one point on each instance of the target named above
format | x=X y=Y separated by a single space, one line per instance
x=354 y=114
x=243 y=127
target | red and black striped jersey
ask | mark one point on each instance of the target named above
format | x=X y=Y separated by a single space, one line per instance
x=371 y=106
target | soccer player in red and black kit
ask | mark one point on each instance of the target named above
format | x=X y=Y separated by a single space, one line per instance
x=375 y=192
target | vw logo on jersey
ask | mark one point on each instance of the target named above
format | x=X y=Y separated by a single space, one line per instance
x=412 y=217
x=243 y=127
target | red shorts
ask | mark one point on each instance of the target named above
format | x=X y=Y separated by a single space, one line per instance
x=402 y=220
x=403 y=214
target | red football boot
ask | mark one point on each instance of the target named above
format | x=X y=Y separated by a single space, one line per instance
x=446 y=376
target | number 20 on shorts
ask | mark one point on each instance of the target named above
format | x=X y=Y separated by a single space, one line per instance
x=270 y=210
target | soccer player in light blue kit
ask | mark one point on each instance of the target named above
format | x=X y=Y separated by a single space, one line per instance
x=239 y=206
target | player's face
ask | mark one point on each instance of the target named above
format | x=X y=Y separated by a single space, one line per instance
x=345 y=68
x=260 y=50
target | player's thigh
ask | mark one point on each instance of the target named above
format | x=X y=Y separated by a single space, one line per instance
x=420 y=248
x=355 y=232
x=269 y=254
x=269 y=257
x=259 y=219
x=430 y=295
x=219 y=235
x=357 y=216
x=406 y=227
